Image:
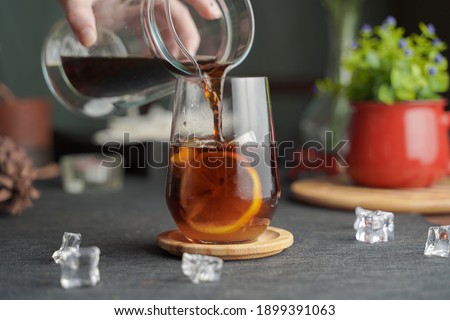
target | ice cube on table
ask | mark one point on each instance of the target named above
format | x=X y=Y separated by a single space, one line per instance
x=358 y=211
x=79 y=267
x=374 y=226
x=94 y=172
x=200 y=268
x=69 y=239
x=437 y=242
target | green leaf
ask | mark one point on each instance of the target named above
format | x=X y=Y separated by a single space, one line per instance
x=372 y=60
x=397 y=77
x=405 y=94
x=439 y=82
x=424 y=29
x=427 y=94
x=416 y=71
x=385 y=94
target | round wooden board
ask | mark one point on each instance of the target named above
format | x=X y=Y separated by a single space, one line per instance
x=338 y=192
x=272 y=241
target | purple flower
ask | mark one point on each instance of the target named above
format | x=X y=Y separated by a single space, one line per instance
x=432 y=71
x=354 y=45
x=436 y=42
x=366 y=28
x=402 y=43
x=431 y=29
x=389 y=21
x=438 y=58
x=408 y=52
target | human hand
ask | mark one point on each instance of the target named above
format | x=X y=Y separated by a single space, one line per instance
x=81 y=17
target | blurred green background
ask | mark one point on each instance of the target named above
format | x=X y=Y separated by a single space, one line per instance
x=290 y=48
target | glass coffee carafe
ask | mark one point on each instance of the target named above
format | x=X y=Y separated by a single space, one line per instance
x=142 y=46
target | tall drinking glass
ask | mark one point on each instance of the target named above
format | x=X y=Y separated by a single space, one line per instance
x=226 y=189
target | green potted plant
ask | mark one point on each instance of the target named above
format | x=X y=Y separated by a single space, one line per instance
x=398 y=129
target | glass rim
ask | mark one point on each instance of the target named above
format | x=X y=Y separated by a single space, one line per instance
x=154 y=39
x=198 y=78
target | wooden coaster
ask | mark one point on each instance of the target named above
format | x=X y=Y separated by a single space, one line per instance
x=339 y=192
x=272 y=241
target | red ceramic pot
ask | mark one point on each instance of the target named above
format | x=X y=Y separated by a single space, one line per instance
x=29 y=123
x=399 y=146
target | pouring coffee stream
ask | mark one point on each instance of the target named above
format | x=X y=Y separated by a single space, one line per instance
x=212 y=82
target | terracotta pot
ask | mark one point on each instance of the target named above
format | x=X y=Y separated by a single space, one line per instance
x=27 y=122
x=400 y=145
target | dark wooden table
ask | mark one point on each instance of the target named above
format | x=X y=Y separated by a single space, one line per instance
x=325 y=262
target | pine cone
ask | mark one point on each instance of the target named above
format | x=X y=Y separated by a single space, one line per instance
x=16 y=178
